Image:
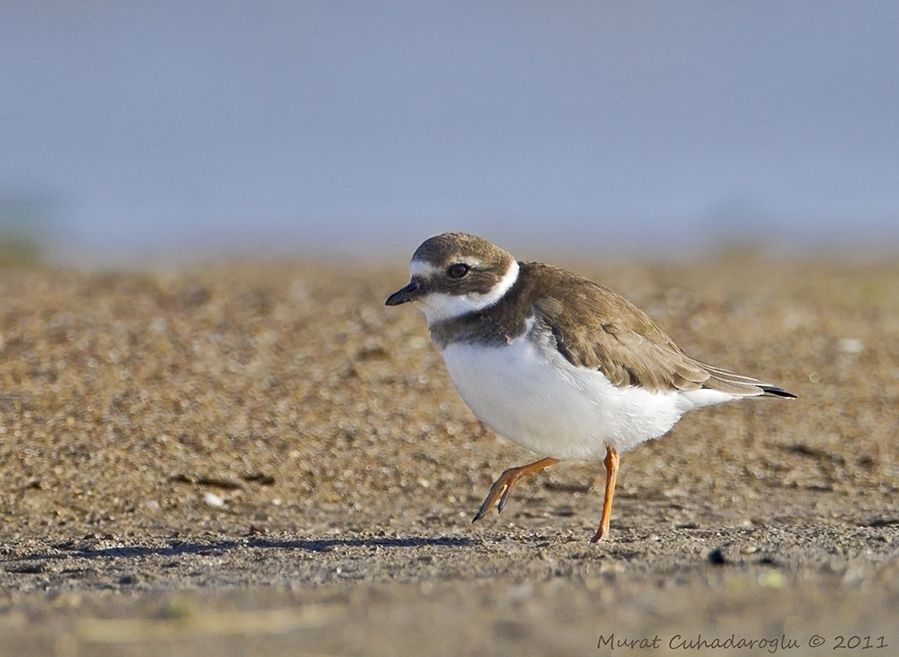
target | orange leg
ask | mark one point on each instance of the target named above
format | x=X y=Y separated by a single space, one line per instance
x=506 y=482
x=611 y=463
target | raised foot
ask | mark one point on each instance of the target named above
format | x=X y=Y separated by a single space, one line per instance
x=506 y=482
x=500 y=489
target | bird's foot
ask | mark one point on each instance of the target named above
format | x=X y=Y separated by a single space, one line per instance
x=601 y=533
x=500 y=489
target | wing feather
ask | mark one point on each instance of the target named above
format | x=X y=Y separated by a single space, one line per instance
x=598 y=329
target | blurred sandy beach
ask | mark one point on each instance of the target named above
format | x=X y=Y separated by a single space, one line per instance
x=268 y=442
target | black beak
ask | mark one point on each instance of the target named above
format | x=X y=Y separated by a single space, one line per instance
x=409 y=293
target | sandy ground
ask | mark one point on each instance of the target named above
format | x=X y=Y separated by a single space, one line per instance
x=263 y=459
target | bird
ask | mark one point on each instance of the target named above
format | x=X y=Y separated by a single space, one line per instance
x=555 y=362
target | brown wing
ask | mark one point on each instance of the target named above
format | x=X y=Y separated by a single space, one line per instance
x=598 y=329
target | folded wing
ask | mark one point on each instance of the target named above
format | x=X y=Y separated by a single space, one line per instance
x=598 y=329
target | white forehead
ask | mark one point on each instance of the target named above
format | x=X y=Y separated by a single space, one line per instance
x=426 y=269
x=438 y=306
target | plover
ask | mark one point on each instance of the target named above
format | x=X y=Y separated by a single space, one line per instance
x=555 y=362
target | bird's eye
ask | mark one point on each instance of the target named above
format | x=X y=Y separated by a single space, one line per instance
x=458 y=270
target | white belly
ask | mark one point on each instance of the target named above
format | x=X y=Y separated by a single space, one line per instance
x=527 y=392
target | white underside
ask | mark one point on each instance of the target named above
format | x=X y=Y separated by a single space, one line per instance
x=528 y=393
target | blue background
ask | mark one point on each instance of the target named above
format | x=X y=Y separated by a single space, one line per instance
x=276 y=127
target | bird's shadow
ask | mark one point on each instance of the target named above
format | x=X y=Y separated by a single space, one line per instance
x=180 y=548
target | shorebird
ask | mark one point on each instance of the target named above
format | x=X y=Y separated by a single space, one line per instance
x=555 y=362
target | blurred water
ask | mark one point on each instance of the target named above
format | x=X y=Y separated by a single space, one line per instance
x=140 y=128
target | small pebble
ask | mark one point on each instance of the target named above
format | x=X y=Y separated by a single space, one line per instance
x=851 y=345
x=213 y=500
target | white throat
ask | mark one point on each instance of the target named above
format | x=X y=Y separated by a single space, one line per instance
x=439 y=307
